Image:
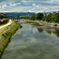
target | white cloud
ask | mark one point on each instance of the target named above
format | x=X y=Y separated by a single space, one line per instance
x=34 y=5
x=14 y=4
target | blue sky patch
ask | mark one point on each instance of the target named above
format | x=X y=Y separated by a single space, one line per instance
x=23 y=4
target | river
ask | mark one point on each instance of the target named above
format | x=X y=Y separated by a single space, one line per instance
x=33 y=42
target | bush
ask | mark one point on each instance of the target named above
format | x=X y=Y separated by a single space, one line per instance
x=4 y=35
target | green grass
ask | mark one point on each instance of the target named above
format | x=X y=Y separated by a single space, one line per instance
x=6 y=35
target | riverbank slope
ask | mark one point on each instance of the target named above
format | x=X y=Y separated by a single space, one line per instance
x=6 y=31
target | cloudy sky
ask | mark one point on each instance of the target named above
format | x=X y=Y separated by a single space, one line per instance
x=29 y=5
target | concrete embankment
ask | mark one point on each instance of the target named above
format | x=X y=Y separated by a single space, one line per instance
x=6 y=31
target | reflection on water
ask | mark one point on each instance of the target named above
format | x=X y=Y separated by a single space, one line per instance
x=40 y=30
x=33 y=42
x=48 y=30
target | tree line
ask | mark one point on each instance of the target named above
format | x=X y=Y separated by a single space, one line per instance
x=52 y=17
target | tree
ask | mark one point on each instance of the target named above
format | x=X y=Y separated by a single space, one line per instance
x=57 y=16
x=40 y=16
x=51 y=18
x=33 y=17
x=17 y=16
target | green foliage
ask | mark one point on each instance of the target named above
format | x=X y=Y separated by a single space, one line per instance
x=8 y=33
x=5 y=16
x=4 y=35
x=33 y=17
x=57 y=16
x=17 y=17
x=52 y=17
x=40 y=16
x=44 y=18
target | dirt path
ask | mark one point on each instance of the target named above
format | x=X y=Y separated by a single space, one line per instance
x=4 y=27
x=6 y=24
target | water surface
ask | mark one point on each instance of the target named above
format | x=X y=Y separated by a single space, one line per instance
x=33 y=42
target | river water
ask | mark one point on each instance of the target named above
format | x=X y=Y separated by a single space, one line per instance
x=33 y=42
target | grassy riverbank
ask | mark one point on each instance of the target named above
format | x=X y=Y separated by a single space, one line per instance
x=6 y=31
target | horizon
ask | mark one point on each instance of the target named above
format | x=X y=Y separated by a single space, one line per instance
x=31 y=12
